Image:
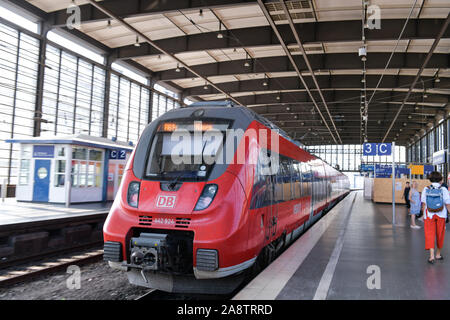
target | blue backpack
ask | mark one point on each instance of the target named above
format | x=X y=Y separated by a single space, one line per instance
x=434 y=199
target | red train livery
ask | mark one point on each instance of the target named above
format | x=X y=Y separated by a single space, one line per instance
x=200 y=226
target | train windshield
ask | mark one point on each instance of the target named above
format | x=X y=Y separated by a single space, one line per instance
x=185 y=151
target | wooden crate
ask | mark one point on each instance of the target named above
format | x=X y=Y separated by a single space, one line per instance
x=382 y=189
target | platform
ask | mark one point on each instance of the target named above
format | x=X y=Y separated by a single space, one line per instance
x=14 y=212
x=336 y=259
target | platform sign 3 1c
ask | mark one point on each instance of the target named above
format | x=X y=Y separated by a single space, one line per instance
x=374 y=149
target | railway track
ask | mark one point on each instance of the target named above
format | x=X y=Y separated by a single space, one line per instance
x=28 y=272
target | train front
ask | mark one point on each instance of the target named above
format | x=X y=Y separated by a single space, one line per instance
x=178 y=222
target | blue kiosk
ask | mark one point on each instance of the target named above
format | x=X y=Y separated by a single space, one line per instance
x=94 y=166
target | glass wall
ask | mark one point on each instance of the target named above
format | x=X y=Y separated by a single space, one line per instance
x=349 y=157
x=18 y=85
x=73 y=96
x=436 y=139
x=128 y=108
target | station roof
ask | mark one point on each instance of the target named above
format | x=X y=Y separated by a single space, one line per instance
x=80 y=139
x=252 y=60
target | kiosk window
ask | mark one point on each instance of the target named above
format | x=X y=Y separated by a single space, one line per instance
x=95 y=155
x=60 y=173
x=86 y=167
x=24 y=172
x=79 y=153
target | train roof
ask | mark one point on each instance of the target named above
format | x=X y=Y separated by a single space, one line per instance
x=250 y=113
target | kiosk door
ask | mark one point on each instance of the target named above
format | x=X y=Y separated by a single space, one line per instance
x=41 y=180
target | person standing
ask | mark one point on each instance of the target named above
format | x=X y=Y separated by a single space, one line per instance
x=414 y=197
x=406 y=196
x=435 y=203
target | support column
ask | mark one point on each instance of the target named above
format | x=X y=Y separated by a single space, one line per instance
x=45 y=28
x=151 y=83
x=109 y=60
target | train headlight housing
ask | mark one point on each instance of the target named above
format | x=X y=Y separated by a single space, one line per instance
x=133 y=193
x=207 y=196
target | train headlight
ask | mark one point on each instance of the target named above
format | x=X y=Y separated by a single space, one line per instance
x=133 y=193
x=207 y=196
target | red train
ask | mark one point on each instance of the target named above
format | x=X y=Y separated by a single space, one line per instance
x=200 y=224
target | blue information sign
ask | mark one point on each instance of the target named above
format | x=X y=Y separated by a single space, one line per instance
x=373 y=149
x=370 y=149
x=119 y=154
x=385 y=170
x=384 y=149
x=43 y=151
x=367 y=167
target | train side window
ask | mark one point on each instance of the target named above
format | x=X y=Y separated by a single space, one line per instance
x=261 y=184
x=297 y=180
x=279 y=181
x=306 y=179
x=286 y=178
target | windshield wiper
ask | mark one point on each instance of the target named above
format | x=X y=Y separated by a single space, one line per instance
x=174 y=182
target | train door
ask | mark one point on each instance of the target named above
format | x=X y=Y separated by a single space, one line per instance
x=274 y=189
x=272 y=212
x=307 y=188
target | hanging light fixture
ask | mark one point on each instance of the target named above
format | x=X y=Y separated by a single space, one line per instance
x=137 y=44
x=200 y=13
x=205 y=86
x=246 y=64
x=265 y=81
x=178 y=68
x=220 y=35
x=109 y=24
x=437 y=79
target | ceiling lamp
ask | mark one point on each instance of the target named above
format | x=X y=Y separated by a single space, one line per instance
x=205 y=86
x=200 y=13
x=109 y=24
x=265 y=81
x=220 y=35
x=363 y=53
x=246 y=64
x=137 y=44
x=178 y=68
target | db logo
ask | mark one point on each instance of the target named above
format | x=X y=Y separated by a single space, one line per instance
x=165 y=201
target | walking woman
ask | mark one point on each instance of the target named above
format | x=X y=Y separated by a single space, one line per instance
x=435 y=202
x=414 y=197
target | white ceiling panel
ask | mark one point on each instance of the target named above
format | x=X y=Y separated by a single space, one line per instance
x=228 y=54
x=189 y=83
x=266 y=51
x=195 y=58
x=52 y=5
x=157 y=63
x=222 y=79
